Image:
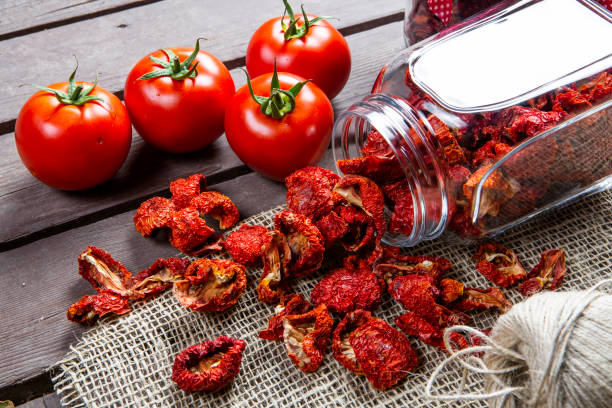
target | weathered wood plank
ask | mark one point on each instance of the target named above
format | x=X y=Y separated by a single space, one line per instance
x=111 y=44
x=30 y=206
x=21 y=17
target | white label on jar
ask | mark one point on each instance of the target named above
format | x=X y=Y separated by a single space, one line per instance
x=522 y=53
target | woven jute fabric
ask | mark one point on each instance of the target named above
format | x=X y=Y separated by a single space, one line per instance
x=127 y=361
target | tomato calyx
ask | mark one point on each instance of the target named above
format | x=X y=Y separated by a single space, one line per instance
x=76 y=94
x=174 y=68
x=281 y=101
x=292 y=31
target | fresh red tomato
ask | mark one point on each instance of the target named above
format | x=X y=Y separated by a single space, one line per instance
x=293 y=133
x=315 y=51
x=73 y=135
x=175 y=105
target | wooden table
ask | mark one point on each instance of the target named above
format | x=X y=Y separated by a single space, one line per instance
x=43 y=230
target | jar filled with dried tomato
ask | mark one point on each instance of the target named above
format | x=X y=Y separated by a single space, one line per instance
x=488 y=124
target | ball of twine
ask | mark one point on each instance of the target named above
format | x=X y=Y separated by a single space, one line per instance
x=551 y=350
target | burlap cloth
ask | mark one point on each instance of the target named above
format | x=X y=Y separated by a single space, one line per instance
x=127 y=361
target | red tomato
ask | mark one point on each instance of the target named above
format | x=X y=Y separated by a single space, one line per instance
x=278 y=147
x=322 y=55
x=179 y=115
x=73 y=147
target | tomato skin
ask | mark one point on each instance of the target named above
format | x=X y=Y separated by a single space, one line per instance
x=322 y=55
x=179 y=116
x=73 y=147
x=276 y=148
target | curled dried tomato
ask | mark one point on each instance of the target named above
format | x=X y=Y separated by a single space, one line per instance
x=498 y=264
x=209 y=366
x=218 y=206
x=496 y=190
x=103 y=272
x=332 y=227
x=402 y=217
x=429 y=333
x=159 y=277
x=395 y=191
x=184 y=189
x=344 y=290
x=277 y=255
x=377 y=168
x=452 y=150
x=360 y=229
x=190 y=234
x=305 y=242
x=211 y=285
x=528 y=122
x=246 y=244
x=548 y=273
x=376 y=145
x=383 y=353
x=309 y=191
x=306 y=337
x=153 y=214
x=490 y=151
x=570 y=101
x=365 y=194
x=598 y=88
x=342 y=350
x=292 y=304
x=481 y=299
x=392 y=264
x=90 y=308
x=450 y=290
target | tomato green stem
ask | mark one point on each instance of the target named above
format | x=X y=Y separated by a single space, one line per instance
x=281 y=101
x=292 y=31
x=174 y=68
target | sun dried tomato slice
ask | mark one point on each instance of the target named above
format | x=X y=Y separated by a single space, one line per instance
x=211 y=285
x=488 y=152
x=548 y=273
x=184 y=189
x=392 y=264
x=332 y=227
x=482 y=299
x=361 y=230
x=384 y=354
x=450 y=290
x=598 y=88
x=153 y=214
x=209 y=366
x=344 y=290
x=277 y=255
x=159 y=277
x=306 y=337
x=376 y=145
x=309 y=191
x=402 y=217
x=90 y=308
x=342 y=350
x=292 y=304
x=305 y=242
x=103 y=272
x=218 y=206
x=246 y=244
x=453 y=152
x=190 y=234
x=364 y=194
x=570 y=101
x=395 y=191
x=497 y=189
x=498 y=264
x=377 y=168
x=429 y=333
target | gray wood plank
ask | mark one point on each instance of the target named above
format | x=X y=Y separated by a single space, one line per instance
x=51 y=400
x=113 y=43
x=146 y=170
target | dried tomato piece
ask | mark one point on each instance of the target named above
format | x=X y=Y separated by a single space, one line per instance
x=305 y=242
x=429 y=333
x=184 y=189
x=462 y=225
x=90 y=308
x=276 y=258
x=376 y=145
x=361 y=231
x=159 y=277
x=392 y=264
x=342 y=350
x=292 y=304
x=452 y=150
x=497 y=189
x=598 y=88
x=450 y=290
x=402 y=217
x=153 y=214
x=246 y=244
x=344 y=290
x=306 y=337
x=208 y=366
x=396 y=191
x=498 y=264
x=365 y=194
x=528 y=122
x=548 y=273
x=489 y=152
x=570 y=101
x=190 y=234
x=218 y=206
x=377 y=168
x=309 y=191
x=103 y=272
x=384 y=354
x=482 y=299
x=457 y=176
x=332 y=227
x=211 y=285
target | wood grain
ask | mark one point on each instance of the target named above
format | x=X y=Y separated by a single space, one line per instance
x=31 y=207
x=111 y=44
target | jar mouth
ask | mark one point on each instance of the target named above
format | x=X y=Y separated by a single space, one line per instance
x=413 y=147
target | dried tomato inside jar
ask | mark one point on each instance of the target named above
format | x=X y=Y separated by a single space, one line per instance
x=488 y=123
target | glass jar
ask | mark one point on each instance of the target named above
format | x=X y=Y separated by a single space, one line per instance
x=478 y=141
